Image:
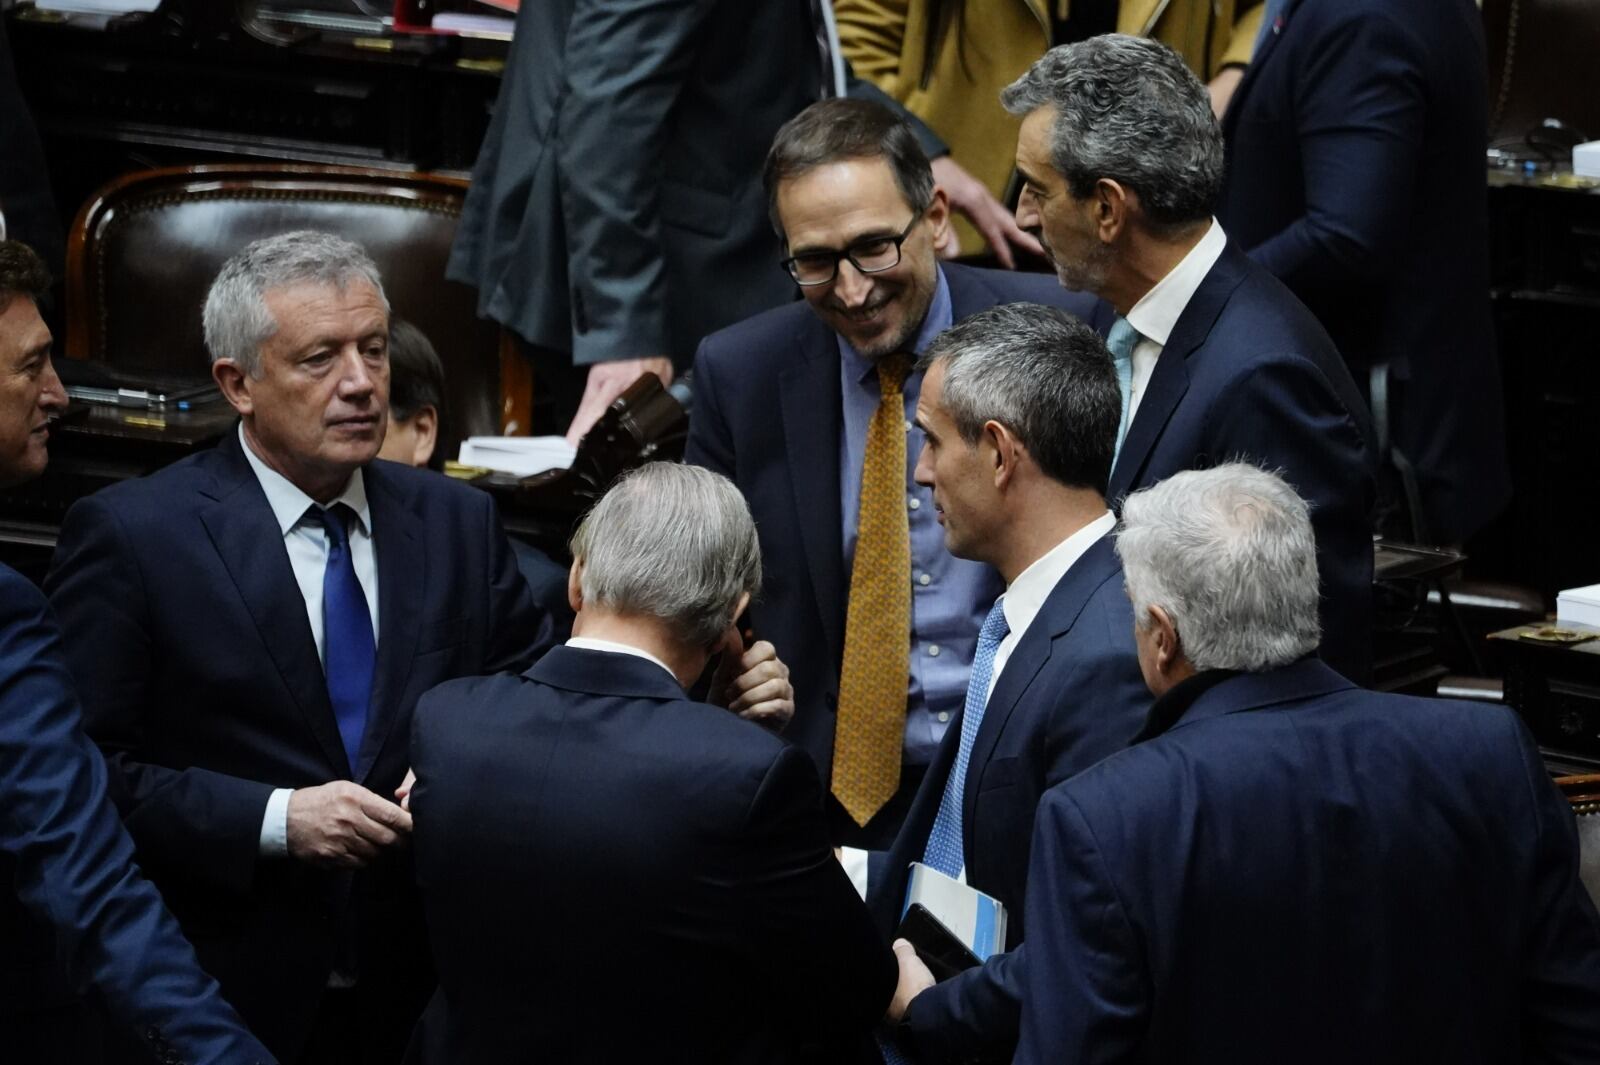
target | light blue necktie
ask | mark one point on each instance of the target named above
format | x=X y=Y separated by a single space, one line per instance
x=1270 y=11
x=1121 y=342
x=348 y=649
x=944 y=851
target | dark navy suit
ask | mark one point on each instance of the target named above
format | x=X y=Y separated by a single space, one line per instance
x=1070 y=694
x=1294 y=869
x=188 y=635
x=616 y=873
x=1248 y=374
x=767 y=415
x=1355 y=174
x=74 y=910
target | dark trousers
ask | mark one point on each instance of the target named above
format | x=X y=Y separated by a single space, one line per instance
x=878 y=833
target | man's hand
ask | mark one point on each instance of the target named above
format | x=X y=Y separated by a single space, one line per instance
x=607 y=381
x=753 y=683
x=914 y=980
x=341 y=825
x=969 y=196
x=402 y=794
x=1222 y=88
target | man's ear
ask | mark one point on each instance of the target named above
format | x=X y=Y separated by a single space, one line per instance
x=234 y=384
x=938 y=215
x=425 y=426
x=1169 y=648
x=575 y=585
x=744 y=604
x=1113 y=204
x=1003 y=448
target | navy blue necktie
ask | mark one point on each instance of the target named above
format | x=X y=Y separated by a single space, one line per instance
x=349 y=650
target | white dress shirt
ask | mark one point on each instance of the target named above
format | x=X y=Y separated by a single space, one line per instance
x=306 y=542
x=1158 y=311
x=586 y=643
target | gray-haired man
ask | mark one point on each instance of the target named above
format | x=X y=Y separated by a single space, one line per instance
x=1287 y=867
x=614 y=872
x=250 y=629
x=1122 y=162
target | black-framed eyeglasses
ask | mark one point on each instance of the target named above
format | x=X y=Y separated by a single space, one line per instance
x=871 y=256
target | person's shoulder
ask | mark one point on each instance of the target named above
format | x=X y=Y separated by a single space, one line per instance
x=466 y=703
x=20 y=598
x=762 y=341
x=154 y=501
x=1015 y=286
x=425 y=489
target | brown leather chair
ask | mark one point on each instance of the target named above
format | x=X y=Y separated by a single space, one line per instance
x=145 y=248
x=1584 y=794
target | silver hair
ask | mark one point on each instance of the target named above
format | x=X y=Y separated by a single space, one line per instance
x=1229 y=554
x=1128 y=109
x=671 y=542
x=237 y=319
x=1042 y=374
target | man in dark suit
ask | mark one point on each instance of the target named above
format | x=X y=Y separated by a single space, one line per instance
x=26 y=203
x=588 y=820
x=75 y=913
x=1019 y=410
x=1122 y=160
x=251 y=628
x=1355 y=175
x=785 y=405
x=1287 y=867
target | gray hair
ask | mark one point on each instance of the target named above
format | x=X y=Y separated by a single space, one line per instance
x=1128 y=109
x=237 y=319
x=1042 y=374
x=671 y=542
x=1229 y=554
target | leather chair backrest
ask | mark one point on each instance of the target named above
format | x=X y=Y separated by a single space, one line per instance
x=145 y=249
x=1589 y=848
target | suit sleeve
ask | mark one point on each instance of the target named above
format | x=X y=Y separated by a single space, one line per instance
x=1085 y=995
x=75 y=866
x=872 y=35
x=710 y=439
x=202 y=821
x=520 y=632
x=1360 y=113
x=627 y=63
x=831 y=973
x=1561 y=987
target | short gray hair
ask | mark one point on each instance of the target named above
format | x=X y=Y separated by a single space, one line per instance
x=237 y=319
x=1042 y=374
x=1229 y=554
x=674 y=543
x=1128 y=109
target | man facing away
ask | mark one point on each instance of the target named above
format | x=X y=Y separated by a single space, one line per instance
x=589 y=823
x=1018 y=409
x=808 y=409
x=251 y=628
x=1287 y=867
x=75 y=912
x=1122 y=159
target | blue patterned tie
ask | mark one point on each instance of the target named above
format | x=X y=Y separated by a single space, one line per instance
x=944 y=851
x=1121 y=341
x=349 y=650
x=1270 y=12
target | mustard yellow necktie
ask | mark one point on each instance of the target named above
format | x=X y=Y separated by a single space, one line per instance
x=868 y=735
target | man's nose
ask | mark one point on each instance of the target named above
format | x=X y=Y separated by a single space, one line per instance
x=851 y=285
x=356 y=377
x=53 y=397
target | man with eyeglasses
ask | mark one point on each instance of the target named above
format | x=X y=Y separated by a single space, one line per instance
x=808 y=408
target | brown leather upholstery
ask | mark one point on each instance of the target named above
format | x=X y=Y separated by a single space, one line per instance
x=1584 y=793
x=145 y=248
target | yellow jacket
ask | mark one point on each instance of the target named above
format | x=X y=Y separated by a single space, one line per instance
x=958 y=94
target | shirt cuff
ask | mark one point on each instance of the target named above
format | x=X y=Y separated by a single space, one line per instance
x=854 y=860
x=275 y=825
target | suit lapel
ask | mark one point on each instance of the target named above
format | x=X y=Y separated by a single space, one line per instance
x=810 y=402
x=402 y=581
x=246 y=537
x=1056 y=618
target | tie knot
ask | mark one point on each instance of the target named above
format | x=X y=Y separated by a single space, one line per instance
x=1121 y=340
x=893 y=369
x=334 y=519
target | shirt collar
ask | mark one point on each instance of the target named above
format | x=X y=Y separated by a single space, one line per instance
x=939 y=318
x=588 y=643
x=1025 y=597
x=289 y=504
x=1158 y=311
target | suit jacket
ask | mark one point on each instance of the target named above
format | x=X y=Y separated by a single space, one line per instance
x=25 y=197
x=1248 y=374
x=1355 y=175
x=1299 y=870
x=74 y=910
x=613 y=872
x=188 y=636
x=1070 y=694
x=768 y=415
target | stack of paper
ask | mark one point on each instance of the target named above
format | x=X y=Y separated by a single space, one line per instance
x=1579 y=606
x=521 y=456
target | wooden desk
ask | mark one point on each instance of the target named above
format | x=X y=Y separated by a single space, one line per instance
x=1556 y=689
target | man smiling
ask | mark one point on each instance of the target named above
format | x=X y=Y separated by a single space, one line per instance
x=808 y=409
x=251 y=629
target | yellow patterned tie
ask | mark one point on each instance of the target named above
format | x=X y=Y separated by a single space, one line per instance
x=868 y=735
